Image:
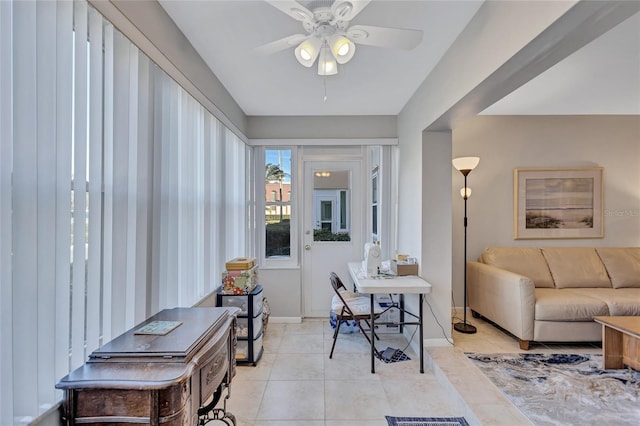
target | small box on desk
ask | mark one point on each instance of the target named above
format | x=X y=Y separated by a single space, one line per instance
x=401 y=267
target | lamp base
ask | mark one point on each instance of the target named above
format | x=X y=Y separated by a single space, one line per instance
x=463 y=327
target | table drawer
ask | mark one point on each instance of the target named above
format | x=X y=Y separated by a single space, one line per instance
x=213 y=372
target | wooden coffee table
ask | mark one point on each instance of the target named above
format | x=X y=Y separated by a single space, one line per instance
x=620 y=342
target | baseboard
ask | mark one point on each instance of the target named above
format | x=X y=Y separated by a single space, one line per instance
x=285 y=320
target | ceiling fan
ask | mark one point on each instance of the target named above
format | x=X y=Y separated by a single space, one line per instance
x=329 y=35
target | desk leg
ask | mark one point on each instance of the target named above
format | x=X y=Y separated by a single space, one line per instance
x=421 y=343
x=373 y=367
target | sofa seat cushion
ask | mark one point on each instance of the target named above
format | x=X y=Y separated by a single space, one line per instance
x=567 y=305
x=576 y=267
x=622 y=264
x=621 y=301
x=527 y=261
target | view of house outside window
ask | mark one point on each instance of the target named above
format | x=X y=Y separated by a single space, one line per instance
x=278 y=203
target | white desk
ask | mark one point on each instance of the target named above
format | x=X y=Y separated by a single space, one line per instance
x=408 y=284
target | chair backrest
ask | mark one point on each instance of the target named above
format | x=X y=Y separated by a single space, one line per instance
x=338 y=288
x=350 y=305
x=336 y=282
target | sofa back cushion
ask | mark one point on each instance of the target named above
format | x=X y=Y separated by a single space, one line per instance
x=527 y=261
x=573 y=267
x=622 y=264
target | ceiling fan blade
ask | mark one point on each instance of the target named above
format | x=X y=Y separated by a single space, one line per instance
x=293 y=9
x=346 y=10
x=394 y=38
x=282 y=44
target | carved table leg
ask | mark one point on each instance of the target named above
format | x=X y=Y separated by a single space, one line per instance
x=209 y=413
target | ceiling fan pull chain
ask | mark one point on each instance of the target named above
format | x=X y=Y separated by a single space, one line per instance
x=324 y=83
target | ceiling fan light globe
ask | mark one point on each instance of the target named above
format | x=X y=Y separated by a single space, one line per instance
x=342 y=49
x=307 y=51
x=326 y=64
x=327 y=68
x=304 y=53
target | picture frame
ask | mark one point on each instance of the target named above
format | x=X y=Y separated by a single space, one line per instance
x=558 y=203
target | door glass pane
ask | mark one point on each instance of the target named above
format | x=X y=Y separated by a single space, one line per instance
x=331 y=206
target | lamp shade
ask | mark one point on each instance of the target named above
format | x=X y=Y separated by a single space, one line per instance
x=342 y=48
x=465 y=192
x=327 y=64
x=465 y=164
x=307 y=51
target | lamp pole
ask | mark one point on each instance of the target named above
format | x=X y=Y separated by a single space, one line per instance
x=465 y=165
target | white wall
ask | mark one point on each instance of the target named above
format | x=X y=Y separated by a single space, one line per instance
x=507 y=142
x=283 y=290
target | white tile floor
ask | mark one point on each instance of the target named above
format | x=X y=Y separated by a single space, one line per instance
x=296 y=384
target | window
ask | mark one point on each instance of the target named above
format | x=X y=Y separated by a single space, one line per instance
x=277 y=210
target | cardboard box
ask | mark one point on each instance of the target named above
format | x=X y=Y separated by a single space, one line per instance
x=239 y=282
x=240 y=264
x=399 y=267
x=392 y=315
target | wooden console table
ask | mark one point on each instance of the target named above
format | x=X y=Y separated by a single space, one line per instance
x=169 y=376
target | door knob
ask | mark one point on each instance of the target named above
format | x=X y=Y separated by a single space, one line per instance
x=307 y=247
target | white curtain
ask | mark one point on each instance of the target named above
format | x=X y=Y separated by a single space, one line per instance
x=120 y=195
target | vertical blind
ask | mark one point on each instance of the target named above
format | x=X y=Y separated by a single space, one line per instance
x=120 y=195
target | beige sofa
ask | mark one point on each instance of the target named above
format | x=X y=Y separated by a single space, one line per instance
x=552 y=294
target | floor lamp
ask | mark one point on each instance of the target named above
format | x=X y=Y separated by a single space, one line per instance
x=464 y=165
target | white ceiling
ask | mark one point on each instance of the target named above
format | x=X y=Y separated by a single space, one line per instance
x=602 y=78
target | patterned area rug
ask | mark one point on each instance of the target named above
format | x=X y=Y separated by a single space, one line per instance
x=563 y=389
x=426 y=421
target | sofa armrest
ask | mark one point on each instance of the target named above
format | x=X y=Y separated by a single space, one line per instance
x=506 y=298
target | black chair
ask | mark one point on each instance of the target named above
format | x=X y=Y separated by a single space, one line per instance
x=349 y=306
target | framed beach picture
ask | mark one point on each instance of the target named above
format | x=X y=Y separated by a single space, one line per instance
x=558 y=203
